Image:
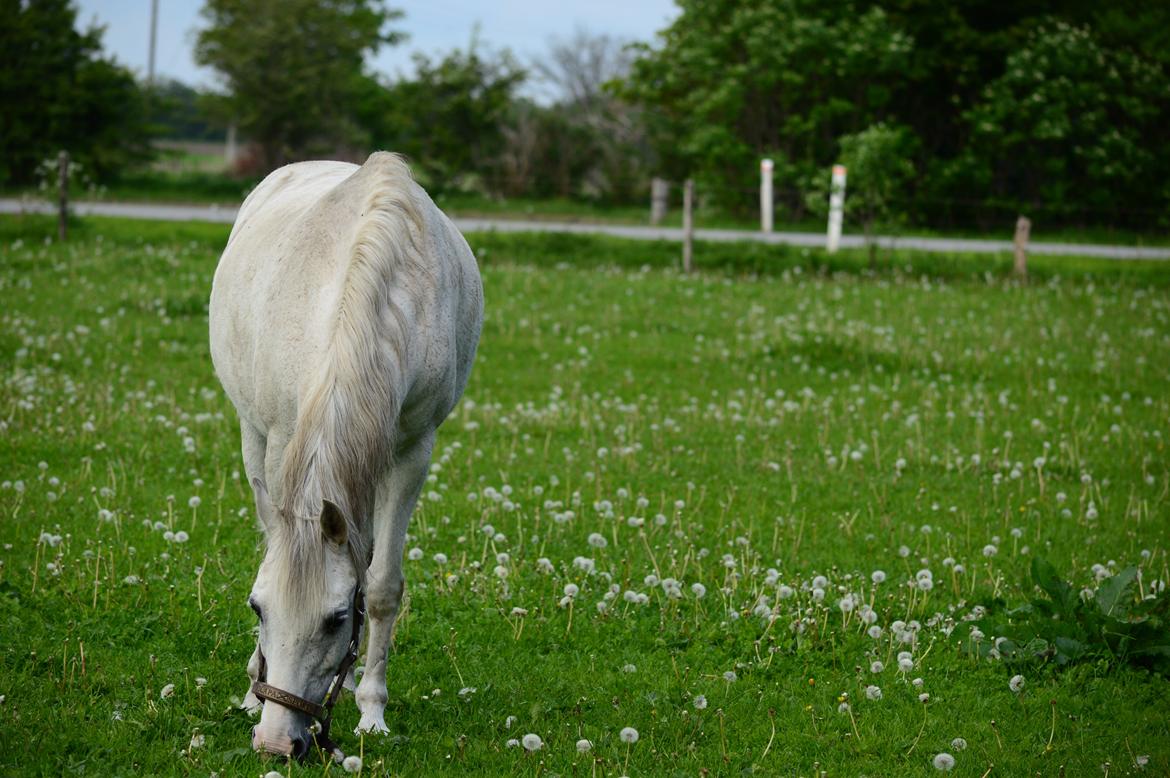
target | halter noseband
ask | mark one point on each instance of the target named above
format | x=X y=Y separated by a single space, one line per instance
x=322 y=712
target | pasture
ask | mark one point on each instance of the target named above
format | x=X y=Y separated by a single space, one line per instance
x=673 y=504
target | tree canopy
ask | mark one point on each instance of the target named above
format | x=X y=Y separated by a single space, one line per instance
x=59 y=91
x=449 y=117
x=1052 y=106
x=293 y=69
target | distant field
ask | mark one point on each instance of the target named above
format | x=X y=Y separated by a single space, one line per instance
x=717 y=465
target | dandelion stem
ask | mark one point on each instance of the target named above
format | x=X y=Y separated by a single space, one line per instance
x=853 y=721
x=97 y=566
x=653 y=560
x=1052 y=731
x=921 y=729
x=772 y=721
x=722 y=737
x=37 y=564
x=451 y=654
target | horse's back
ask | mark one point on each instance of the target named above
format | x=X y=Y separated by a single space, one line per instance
x=292 y=255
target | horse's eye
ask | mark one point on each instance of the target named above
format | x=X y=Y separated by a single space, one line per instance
x=335 y=621
x=256 y=607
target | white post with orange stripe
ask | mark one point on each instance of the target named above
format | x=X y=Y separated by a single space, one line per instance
x=836 y=208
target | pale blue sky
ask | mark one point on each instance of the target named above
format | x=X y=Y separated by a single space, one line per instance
x=524 y=26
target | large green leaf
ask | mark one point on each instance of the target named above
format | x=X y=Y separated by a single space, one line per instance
x=1115 y=594
x=1052 y=584
x=1069 y=650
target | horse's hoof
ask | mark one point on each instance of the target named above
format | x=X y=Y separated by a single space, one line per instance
x=371 y=725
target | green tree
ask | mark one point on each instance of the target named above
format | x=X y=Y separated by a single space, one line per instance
x=293 y=69
x=733 y=81
x=1070 y=131
x=1038 y=104
x=59 y=91
x=880 y=166
x=450 y=117
x=178 y=111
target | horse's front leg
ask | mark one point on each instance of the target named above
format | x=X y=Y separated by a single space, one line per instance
x=397 y=496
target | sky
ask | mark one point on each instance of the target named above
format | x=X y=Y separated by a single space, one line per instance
x=524 y=26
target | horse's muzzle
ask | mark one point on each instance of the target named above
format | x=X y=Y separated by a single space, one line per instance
x=296 y=746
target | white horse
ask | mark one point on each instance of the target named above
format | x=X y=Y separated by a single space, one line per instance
x=344 y=316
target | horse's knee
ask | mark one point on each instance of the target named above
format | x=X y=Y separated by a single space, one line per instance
x=384 y=596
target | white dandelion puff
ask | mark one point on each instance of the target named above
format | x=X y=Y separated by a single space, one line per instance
x=944 y=762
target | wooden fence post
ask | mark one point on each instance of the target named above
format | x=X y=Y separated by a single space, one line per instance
x=659 y=190
x=1023 y=230
x=62 y=193
x=231 y=150
x=688 y=225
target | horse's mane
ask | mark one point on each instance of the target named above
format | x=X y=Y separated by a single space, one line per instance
x=347 y=418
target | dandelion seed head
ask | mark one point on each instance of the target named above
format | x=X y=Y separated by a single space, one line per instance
x=944 y=762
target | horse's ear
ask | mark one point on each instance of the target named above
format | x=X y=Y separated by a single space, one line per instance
x=333 y=525
x=263 y=503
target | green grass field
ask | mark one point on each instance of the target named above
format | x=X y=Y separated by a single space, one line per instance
x=715 y=464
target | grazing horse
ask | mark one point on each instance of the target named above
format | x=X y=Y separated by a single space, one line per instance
x=344 y=316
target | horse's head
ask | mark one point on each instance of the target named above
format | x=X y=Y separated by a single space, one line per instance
x=304 y=595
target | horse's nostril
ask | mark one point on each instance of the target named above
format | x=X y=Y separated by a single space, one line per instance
x=300 y=747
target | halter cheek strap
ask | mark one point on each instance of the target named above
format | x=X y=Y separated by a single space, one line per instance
x=322 y=712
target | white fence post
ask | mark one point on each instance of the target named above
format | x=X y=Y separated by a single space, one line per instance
x=766 y=195
x=836 y=208
x=688 y=225
x=658 y=194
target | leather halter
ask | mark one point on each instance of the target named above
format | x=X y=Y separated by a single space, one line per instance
x=322 y=712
